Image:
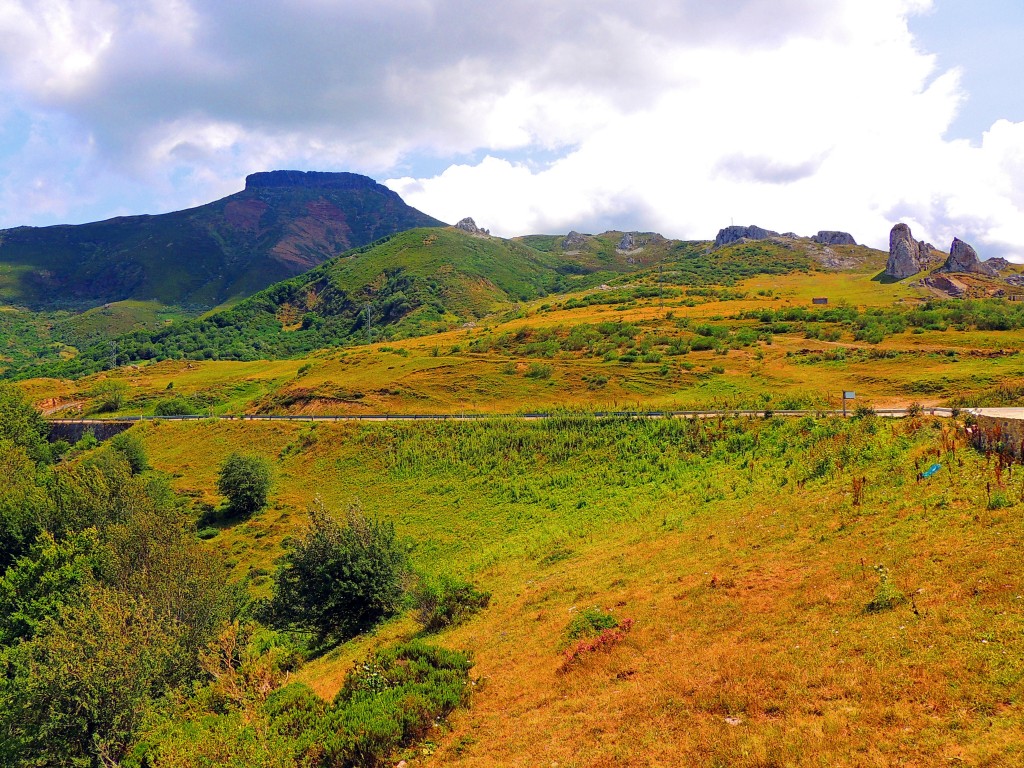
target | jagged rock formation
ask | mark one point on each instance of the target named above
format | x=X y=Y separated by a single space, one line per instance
x=573 y=241
x=633 y=241
x=830 y=237
x=963 y=258
x=468 y=225
x=999 y=264
x=736 y=233
x=907 y=256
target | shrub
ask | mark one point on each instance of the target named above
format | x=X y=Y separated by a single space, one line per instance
x=245 y=481
x=392 y=699
x=131 y=447
x=446 y=602
x=604 y=641
x=110 y=395
x=863 y=412
x=588 y=623
x=175 y=406
x=999 y=500
x=339 y=578
x=539 y=371
x=888 y=595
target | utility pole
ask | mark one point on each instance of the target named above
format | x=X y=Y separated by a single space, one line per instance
x=113 y=354
x=369 y=333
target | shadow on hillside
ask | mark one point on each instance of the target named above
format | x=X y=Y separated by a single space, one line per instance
x=884 y=279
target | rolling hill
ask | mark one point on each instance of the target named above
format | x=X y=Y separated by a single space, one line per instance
x=283 y=223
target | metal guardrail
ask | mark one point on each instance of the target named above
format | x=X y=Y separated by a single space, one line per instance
x=537 y=415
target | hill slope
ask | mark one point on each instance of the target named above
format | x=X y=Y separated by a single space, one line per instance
x=282 y=224
x=412 y=283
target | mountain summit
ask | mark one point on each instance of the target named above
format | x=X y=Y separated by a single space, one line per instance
x=283 y=223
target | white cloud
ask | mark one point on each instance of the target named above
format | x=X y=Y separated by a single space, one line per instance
x=676 y=115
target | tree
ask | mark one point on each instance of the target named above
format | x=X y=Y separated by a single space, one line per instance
x=77 y=691
x=110 y=395
x=22 y=424
x=340 y=578
x=131 y=447
x=245 y=482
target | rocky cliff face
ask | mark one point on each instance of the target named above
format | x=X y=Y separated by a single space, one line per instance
x=736 y=233
x=907 y=256
x=963 y=258
x=830 y=237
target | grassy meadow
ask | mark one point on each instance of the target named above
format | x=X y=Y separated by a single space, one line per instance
x=773 y=592
x=797 y=596
x=759 y=344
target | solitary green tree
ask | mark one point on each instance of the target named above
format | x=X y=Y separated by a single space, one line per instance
x=245 y=482
x=341 y=577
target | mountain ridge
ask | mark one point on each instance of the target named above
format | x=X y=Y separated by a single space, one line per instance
x=283 y=223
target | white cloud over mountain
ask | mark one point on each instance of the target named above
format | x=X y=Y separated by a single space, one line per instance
x=672 y=115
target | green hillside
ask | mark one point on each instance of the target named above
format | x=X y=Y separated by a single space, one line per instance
x=282 y=224
x=416 y=283
x=410 y=284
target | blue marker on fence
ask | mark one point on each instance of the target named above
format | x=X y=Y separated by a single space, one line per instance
x=931 y=471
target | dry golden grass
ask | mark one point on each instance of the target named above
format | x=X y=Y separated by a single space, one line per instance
x=752 y=644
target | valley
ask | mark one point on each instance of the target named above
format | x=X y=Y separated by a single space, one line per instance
x=741 y=590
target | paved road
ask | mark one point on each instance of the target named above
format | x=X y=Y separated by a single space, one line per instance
x=890 y=412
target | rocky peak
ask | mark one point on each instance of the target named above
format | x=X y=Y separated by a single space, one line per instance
x=734 y=234
x=906 y=255
x=830 y=237
x=963 y=258
x=573 y=241
x=309 y=179
x=468 y=225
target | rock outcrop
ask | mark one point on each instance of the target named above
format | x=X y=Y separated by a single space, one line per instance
x=963 y=258
x=907 y=256
x=829 y=237
x=736 y=233
x=950 y=286
x=573 y=240
x=469 y=226
x=634 y=241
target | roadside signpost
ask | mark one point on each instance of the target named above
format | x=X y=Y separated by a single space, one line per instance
x=848 y=396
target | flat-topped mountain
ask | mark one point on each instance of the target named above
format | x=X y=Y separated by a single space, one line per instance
x=283 y=223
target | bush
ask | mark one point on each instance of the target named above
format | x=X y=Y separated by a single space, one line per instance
x=245 y=481
x=539 y=371
x=888 y=595
x=339 y=578
x=589 y=622
x=131 y=447
x=175 y=406
x=392 y=699
x=447 y=602
x=110 y=395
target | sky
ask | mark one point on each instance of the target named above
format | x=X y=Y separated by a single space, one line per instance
x=531 y=116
